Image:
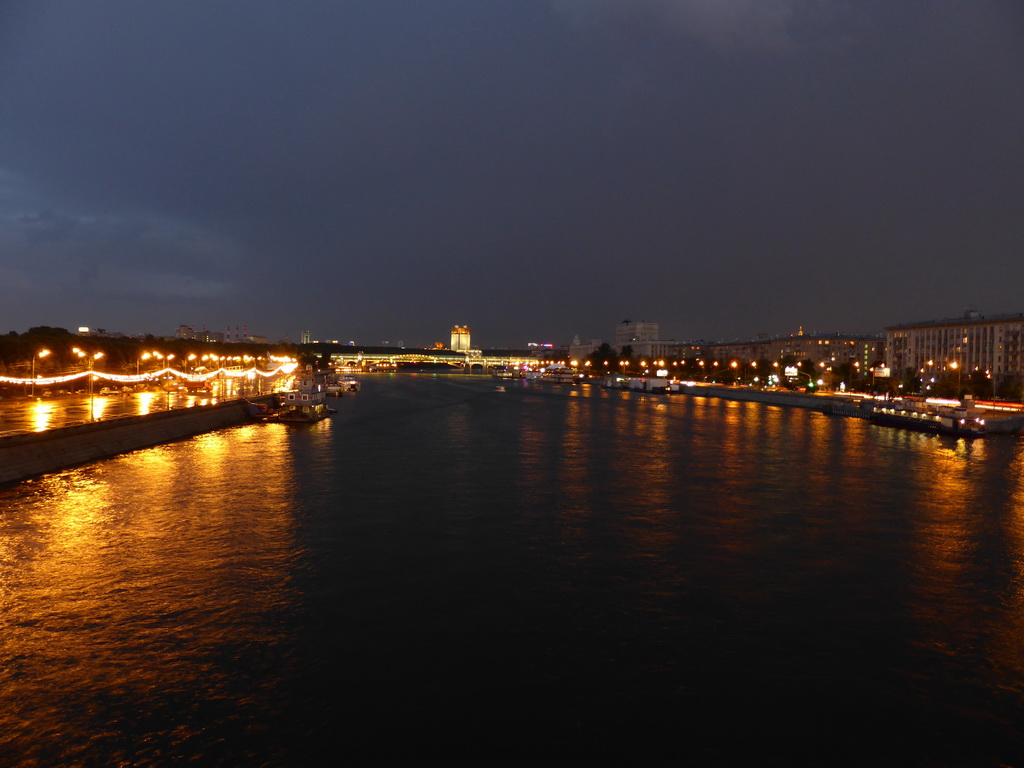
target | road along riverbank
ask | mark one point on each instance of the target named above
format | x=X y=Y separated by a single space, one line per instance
x=36 y=453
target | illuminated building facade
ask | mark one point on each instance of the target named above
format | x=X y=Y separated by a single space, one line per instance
x=865 y=350
x=628 y=333
x=460 y=338
x=991 y=344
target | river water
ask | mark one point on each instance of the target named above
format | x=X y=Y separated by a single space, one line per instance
x=551 y=572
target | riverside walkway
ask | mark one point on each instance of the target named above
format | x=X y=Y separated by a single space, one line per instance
x=28 y=414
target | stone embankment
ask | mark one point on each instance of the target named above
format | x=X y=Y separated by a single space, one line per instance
x=36 y=453
x=838 y=405
x=824 y=403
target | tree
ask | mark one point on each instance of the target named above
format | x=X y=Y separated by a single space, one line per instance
x=603 y=359
x=1010 y=388
x=46 y=330
x=910 y=381
x=980 y=385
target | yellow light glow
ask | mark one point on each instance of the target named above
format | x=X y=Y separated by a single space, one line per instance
x=43 y=414
x=137 y=378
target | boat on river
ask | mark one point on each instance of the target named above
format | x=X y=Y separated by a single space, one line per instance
x=305 y=404
x=338 y=387
x=958 y=422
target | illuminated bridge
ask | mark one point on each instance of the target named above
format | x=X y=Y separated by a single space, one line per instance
x=397 y=357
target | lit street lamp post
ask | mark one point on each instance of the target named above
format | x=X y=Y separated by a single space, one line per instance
x=92 y=378
x=40 y=354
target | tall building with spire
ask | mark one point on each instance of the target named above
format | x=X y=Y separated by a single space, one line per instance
x=460 y=338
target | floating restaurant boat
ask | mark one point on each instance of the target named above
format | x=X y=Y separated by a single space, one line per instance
x=305 y=404
x=944 y=421
x=560 y=374
x=338 y=387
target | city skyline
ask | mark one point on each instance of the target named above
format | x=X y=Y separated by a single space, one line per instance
x=649 y=331
x=729 y=168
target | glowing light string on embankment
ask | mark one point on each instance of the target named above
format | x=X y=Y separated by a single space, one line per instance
x=286 y=369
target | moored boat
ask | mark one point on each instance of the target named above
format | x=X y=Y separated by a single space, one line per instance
x=260 y=411
x=944 y=421
x=305 y=404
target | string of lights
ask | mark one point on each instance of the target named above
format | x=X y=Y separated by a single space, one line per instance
x=285 y=368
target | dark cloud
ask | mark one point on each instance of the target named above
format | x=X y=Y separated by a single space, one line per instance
x=761 y=26
x=46 y=227
x=536 y=169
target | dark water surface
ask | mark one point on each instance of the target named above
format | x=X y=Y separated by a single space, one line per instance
x=515 y=578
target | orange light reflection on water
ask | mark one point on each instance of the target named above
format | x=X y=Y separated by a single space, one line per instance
x=98 y=406
x=128 y=579
x=960 y=540
x=1009 y=646
x=44 y=415
x=145 y=401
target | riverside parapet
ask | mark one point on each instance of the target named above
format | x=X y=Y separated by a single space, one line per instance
x=822 y=403
x=836 y=405
x=37 y=453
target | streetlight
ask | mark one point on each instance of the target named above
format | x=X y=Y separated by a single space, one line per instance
x=78 y=352
x=956 y=367
x=40 y=354
x=92 y=378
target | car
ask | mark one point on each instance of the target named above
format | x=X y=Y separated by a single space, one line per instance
x=108 y=391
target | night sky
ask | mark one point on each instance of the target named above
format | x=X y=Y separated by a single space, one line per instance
x=537 y=169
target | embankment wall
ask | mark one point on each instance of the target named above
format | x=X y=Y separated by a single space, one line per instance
x=788 y=399
x=36 y=453
x=995 y=423
x=1004 y=425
